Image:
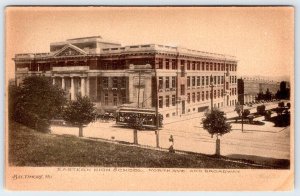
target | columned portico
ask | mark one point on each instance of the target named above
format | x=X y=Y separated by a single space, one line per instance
x=63 y=83
x=82 y=87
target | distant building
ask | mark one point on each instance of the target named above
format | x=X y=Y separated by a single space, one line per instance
x=249 y=87
x=176 y=80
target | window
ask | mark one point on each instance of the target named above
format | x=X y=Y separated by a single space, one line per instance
x=106 y=99
x=222 y=92
x=167 y=101
x=105 y=82
x=193 y=81
x=182 y=89
x=207 y=81
x=182 y=70
x=198 y=65
x=222 y=79
x=203 y=66
x=202 y=95
x=160 y=102
x=160 y=82
x=182 y=62
x=218 y=79
x=218 y=93
x=188 y=97
x=167 y=64
x=188 y=65
x=207 y=66
x=173 y=100
x=188 y=81
x=206 y=95
x=167 y=82
x=215 y=79
x=211 y=67
x=115 y=99
x=123 y=97
x=193 y=97
x=174 y=66
x=215 y=94
x=173 y=82
x=215 y=66
x=198 y=81
x=115 y=82
x=198 y=96
x=160 y=64
x=203 y=80
x=193 y=66
x=218 y=66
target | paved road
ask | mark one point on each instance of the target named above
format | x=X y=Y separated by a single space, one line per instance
x=264 y=141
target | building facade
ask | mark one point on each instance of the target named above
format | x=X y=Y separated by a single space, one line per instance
x=176 y=80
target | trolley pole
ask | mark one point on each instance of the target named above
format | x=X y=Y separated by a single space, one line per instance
x=211 y=92
x=156 y=112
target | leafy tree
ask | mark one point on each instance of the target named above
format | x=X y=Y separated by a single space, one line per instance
x=80 y=112
x=36 y=101
x=215 y=123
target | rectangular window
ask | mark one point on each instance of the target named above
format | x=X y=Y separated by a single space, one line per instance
x=219 y=67
x=173 y=100
x=193 y=66
x=203 y=66
x=202 y=95
x=167 y=82
x=198 y=96
x=218 y=79
x=167 y=64
x=207 y=80
x=215 y=79
x=182 y=62
x=115 y=82
x=193 y=81
x=215 y=66
x=105 y=82
x=193 y=97
x=115 y=98
x=211 y=66
x=182 y=89
x=222 y=92
x=218 y=93
x=207 y=66
x=188 y=97
x=198 y=66
x=207 y=95
x=222 y=79
x=198 y=81
x=174 y=65
x=160 y=102
x=182 y=70
x=160 y=64
x=160 y=82
x=203 y=81
x=106 y=99
x=167 y=101
x=188 y=81
x=188 y=65
x=173 y=82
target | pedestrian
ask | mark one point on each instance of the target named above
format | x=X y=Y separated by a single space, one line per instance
x=171 y=148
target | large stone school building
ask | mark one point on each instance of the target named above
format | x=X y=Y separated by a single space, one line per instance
x=175 y=80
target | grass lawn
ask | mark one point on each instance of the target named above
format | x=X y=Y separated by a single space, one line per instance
x=28 y=147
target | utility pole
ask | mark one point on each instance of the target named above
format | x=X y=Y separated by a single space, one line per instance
x=156 y=111
x=139 y=88
x=242 y=118
x=211 y=92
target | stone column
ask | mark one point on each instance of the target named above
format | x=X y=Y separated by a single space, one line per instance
x=82 y=87
x=63 y=83
x=72 y=89
x=53 y=80
x=88 y=87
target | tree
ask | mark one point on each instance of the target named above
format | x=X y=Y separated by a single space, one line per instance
x=80 y=112
x=215 y=123
x=36 y=101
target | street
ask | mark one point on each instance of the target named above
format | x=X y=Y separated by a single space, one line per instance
x=256 y=140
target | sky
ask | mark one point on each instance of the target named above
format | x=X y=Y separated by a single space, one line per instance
x=262 y=38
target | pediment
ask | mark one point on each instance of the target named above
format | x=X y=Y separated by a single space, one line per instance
x=70 y=50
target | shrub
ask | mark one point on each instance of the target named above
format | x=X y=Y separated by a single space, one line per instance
x=281 y=104
x=268 y=115
x=261 y=109
x=246 y=113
